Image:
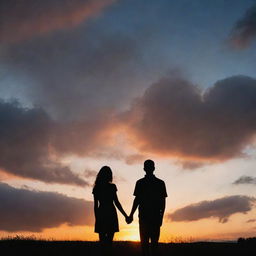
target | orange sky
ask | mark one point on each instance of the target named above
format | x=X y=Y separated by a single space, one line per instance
x=182 y=187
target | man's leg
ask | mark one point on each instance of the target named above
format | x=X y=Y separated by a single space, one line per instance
x=144 y=239
x=155 y=234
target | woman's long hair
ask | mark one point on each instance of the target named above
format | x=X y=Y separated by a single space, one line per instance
x=104 y=176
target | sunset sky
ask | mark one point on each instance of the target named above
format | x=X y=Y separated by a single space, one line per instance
x=87 y=83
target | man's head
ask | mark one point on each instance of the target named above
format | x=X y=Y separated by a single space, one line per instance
x=149 y=166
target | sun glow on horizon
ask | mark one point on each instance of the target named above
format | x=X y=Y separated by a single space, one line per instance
x=132 y=237
x=129 y=233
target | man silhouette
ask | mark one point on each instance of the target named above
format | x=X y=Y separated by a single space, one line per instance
x=150 y=194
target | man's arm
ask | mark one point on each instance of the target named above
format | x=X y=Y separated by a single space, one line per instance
x=134 y=208
x=162 y=209
x=162 y=206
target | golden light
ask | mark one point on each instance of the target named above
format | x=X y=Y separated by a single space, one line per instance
x=130 y=233
x=134 y=237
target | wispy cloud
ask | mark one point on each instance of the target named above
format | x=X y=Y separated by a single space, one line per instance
x=21 y=20
x=251 y=221
x=245 y=180
x=190 y=165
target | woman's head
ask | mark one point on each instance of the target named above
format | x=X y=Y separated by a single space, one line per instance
x=104 y=176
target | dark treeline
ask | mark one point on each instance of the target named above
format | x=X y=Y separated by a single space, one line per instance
x=247 y=241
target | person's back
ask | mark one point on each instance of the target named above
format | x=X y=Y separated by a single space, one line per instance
x=106 y=220
x=105 y=194
x=105 y=203
x=150 y=194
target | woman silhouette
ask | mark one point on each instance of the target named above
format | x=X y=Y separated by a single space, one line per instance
x=105 y=200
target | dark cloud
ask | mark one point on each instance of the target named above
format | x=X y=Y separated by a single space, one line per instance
x=245 y=180
x=79 y=79
x=31 y=142
x=25 y=210
x=73 y=75
x=221 y=208
x=23 y=19
x=244 y=31
x=175 y=118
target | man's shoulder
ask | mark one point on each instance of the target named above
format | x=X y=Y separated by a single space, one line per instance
x=155 y=179
x=159 y=180
x=140 y=181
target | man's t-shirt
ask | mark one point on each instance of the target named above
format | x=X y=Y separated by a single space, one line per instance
x=150 y=192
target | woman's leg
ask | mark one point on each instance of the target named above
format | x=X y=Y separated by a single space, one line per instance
x=102 y=238
x=109 y=238
x=103 y=243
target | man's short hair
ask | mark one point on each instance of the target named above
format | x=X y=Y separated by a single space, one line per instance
x=149 y=162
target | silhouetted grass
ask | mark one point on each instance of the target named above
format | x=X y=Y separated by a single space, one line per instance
x=30 y=246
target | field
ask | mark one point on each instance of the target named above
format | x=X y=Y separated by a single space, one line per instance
x=39 y=248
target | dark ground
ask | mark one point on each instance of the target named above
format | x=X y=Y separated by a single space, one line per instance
x=63 y=248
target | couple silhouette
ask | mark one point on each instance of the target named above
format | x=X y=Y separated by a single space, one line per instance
x=150 y=194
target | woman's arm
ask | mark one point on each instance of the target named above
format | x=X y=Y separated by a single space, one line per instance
x=96 y=205
x=119 y=206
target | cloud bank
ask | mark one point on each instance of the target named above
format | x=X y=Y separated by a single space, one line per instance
x=31 y=144
x=73 y=75
x=24 y=19
x=221 y=208
x=172 y=119
x=244 y=31
x=175 y=118
x=25 y=210
x=70 y=78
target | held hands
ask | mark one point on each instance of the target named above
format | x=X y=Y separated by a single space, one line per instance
x=129 y=219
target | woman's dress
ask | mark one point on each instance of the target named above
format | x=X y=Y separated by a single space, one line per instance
x=106 y=220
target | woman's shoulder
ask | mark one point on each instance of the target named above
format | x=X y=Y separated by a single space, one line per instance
x=102 y=189
x=113 y=186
